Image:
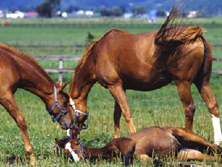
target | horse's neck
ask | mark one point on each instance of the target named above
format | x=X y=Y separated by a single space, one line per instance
x=97 y=152
x=81 y=83
x=37 y=83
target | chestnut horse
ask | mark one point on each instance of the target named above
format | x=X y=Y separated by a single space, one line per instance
x=145 y=62
x=19 y=70
x=147 y=144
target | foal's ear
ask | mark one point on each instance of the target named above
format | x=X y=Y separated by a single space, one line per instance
x=58 y=142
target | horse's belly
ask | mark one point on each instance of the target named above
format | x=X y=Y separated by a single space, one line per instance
x=146 y=83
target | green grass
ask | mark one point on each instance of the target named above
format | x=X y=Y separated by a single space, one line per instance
x=161 y=107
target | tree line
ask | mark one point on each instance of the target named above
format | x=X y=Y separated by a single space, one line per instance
x=48 y=8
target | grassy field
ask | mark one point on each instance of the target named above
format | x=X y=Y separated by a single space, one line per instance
x=156 y=108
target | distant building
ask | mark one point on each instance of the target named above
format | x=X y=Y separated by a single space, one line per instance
x=192 y=14
x=152 y=16
x=15 y=15
x=1 y=14
x=127 y=15
x=31 y=14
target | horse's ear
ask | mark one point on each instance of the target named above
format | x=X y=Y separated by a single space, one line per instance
x=62 y=87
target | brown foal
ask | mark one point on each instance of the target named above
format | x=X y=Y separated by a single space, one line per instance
x=147 y=144
x=19 y=70
x=145 y=62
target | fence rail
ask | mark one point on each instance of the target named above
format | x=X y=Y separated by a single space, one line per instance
x=62 y=70
x=59 y=70
x=74 y=44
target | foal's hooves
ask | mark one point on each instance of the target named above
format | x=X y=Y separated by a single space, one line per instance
x=33 y=160
x=158 y=163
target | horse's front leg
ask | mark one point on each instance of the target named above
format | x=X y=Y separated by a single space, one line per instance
x=184 y=92
x=119 y=95
x=10 y=105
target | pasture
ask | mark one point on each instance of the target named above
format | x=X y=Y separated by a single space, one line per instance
x=161 y=107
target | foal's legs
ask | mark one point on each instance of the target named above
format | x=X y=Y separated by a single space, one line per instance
x=117 y=115
x=209 y=98
x=183 y=88
x=189 y=139
x=120 y=97
x=7 y=100
x=191 y=154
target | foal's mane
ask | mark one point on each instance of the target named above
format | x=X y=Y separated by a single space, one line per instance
x=27 y=59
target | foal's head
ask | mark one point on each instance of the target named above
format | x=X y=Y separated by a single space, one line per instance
x=58 y=107
x=73 y=148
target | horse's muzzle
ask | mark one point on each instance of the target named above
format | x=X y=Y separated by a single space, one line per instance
x=65 y=125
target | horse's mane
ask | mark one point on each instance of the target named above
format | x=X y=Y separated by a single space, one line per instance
x=27 y=59
x=174 y=34
x=82 y=61
x=87 y=53
x=84 y=56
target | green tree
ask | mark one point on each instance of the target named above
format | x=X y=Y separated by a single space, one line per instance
x=47 y=8
x=114 y=11
x=139 y=10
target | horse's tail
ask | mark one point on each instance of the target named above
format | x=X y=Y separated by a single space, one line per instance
x=171 y=34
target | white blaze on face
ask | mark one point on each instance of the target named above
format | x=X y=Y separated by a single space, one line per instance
x=74 y=155
x=217 y=130
x=72 y=103
x=69 y=133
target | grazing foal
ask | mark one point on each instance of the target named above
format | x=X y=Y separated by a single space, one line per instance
x=147 y=143
x=19 y=70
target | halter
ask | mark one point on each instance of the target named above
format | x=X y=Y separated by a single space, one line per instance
x=76 y=115
x=56 y=104
x=82 y=150
x=73 y=156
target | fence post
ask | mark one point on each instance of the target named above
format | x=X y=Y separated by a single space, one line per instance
x=60 y=72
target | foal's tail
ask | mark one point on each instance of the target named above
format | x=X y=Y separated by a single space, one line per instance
x=171 y=34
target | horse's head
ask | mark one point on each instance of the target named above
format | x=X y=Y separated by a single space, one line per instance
x=80 y=115
x=73 y=148
x=58 y=107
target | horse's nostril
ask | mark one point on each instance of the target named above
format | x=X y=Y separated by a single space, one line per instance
x=64 y=125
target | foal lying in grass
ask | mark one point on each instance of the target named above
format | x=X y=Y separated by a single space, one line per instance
x=148 y=143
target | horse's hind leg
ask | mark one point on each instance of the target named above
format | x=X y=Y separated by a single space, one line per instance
x=209 y=98
x=184 y=92
x=7 y=100
x=119 y=94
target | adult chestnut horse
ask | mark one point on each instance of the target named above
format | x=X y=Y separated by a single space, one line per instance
x=145 y=62
x=19 y=70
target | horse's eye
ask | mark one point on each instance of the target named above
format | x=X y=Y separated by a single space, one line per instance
x=65 y=103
